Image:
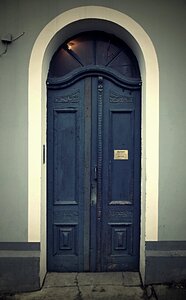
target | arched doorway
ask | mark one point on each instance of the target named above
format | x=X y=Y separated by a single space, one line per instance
x=51 y=36
x=93 y=142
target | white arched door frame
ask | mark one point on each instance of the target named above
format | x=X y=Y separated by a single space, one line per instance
x=43 y=49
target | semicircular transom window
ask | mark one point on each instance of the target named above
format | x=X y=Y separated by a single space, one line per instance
x=94 y=49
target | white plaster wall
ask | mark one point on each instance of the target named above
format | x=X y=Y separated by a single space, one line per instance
x=164 y=22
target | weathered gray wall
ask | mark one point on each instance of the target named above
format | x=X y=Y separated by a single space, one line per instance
x=165 y=22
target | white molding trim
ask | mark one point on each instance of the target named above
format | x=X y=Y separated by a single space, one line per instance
x=147 y=58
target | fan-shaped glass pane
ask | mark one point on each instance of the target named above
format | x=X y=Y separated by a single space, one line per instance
x=94 y=48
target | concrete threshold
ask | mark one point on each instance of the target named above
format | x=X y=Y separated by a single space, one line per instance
x=85 y=286
x=102 y=286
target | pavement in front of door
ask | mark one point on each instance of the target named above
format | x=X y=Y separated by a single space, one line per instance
x=102 y=286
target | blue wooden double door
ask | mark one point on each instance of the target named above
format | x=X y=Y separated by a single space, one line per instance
x=93 y=166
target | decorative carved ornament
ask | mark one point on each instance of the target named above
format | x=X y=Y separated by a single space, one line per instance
x=72 y=98
x=114 y=97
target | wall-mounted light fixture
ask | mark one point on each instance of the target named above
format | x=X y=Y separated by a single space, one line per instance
x=70 y=45
x=7 y=39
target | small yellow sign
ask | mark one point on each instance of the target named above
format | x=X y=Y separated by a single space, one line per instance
x=121 y=154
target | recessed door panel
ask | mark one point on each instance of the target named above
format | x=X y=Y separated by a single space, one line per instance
x=65 y=156
x=121 y=156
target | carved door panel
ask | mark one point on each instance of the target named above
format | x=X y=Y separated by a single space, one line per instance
x=93 y=176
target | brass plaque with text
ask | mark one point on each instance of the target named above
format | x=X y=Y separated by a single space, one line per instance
x=121 y=154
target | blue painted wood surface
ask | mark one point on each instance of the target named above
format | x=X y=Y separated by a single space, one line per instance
x=114 y=216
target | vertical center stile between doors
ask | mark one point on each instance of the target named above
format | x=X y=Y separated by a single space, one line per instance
x=87 y=170
x=99 y=166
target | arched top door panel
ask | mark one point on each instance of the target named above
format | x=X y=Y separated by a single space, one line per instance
x=94 y=49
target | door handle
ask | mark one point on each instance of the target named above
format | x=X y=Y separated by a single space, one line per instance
x=94 y=187
x=93 y=194
x=95 y=173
